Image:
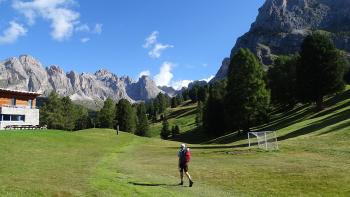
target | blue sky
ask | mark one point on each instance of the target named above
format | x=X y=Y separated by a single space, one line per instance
x=174 y=41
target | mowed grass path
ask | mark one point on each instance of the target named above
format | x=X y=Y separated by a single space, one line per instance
x=99 y=163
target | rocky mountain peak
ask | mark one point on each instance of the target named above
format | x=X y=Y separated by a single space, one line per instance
x=282 y=25
x=27 y=59
x=27 y=73
x=103 y=73
x=54 y=69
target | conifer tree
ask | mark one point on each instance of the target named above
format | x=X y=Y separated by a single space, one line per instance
x=247 y=99
x=165 y=132
x=321 y=69
x=106 y=115
x=282 y=80
x=126 y=118
x=214 y=111
x=51 y=114
x=142 y=128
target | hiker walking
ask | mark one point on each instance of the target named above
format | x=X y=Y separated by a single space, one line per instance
x=184 y=158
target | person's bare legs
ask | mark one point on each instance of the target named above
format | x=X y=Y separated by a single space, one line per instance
x=181 y=177
x=189 y=178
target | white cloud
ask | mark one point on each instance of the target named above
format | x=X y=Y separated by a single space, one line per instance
x=178 y=85
x=163 y=78
x=155 y=47
x=157 y=50
x=84 y=40
x=208 y=79
x=97 y=29
x=145 y=73
x=151 y=39
x=82 y=28
x=63 y=20
x=12 y=33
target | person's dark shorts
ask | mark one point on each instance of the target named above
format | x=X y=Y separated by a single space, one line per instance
x=183 y=167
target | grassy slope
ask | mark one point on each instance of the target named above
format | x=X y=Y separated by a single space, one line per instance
x=184 y=116
x=313 y=160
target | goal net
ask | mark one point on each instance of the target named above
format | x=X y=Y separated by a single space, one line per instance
x=264 y=139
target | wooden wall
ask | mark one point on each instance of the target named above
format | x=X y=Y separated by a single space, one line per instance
x=21 y=100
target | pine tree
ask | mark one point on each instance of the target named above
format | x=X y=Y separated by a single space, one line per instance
x=175 y=130
x=161 y=103
x=51 y=114
x=125 y=118
x=185 y=94
x=321 y=69
x=142 y=128
x=83 y=120
x=213 y=112
x=193 y=93
x=70 y=114
x=202 y=93
x=106 y=115
x=282 y=80
x=247 y=99
x=165 y=132
x=174 y=102
x=199 y=115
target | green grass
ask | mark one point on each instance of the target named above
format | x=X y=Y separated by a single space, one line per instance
x=313 y=160
x=184 y=116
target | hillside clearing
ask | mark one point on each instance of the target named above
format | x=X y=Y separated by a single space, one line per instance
x=313 y=160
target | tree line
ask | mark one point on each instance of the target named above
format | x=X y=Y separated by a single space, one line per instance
x=246 y=97
x=243 y=100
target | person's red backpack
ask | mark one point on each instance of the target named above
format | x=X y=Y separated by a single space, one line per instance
x=188 y=155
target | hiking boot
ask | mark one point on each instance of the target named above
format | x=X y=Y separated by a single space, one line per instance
x=191 y=183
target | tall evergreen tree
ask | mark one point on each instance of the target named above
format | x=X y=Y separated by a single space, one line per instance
x=179 y=99
x=161 y=102
x=83 y=120
x=247 y=99
x=70 y=114
x=199 y=115
x=126 y=118
x=51 y=114
x=106 y=115
x=202 y=93
x=213 y=113
x=165 y=132
x=193 y=93
x=321 y=69
x=174 y=102
x=282 y=80
x=185 y=94
x=142 y=128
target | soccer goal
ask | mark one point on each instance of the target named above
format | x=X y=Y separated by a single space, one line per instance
x=264 y=139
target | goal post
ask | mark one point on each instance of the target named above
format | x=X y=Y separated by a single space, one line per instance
x=263 y=139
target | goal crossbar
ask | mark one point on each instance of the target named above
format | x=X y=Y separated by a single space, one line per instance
x=264 y=139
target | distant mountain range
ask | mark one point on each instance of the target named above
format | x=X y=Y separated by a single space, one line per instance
x=280 y=28
x=27 y=73
x=282 y=25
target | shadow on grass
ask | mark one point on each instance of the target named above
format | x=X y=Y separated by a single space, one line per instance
x=331 y=110
x=181 y=112
x=280 y=121
x=326 y=122
x=338 y=127
x=286 y=120
x=152 y=184
x=194 y=136
x=293 y=116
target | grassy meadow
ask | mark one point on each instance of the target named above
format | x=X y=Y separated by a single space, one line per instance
x=313 y=160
